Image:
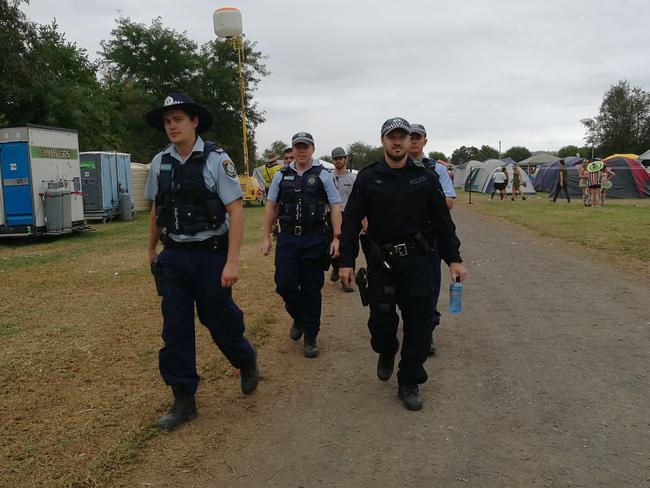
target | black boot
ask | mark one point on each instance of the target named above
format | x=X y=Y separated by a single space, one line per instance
x=296 y=331
x=311 y=348
x=385 y=365
x=183 y=410
x=410 y=397
x=249 y=377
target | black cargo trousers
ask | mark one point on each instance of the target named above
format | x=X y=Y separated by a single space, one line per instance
x=411 y=286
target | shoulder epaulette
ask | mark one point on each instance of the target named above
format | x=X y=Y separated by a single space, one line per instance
x=209 y=146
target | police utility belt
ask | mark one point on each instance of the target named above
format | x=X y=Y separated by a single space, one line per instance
x=404 y=249
x=388 y=254
x=212 y=244
x=302 y=230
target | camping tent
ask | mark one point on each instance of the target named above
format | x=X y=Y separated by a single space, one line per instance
x=482 y=177
x=538 y=159
x=547 y=175
x=462 y=171
x=629 y=156
x=630 y=180
x=644 y=159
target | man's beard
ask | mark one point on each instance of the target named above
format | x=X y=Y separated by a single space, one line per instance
x=396 y=157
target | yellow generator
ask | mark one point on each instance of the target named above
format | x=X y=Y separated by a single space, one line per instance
x=253 y=194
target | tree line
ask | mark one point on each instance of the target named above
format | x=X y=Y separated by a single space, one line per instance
x=47 y=80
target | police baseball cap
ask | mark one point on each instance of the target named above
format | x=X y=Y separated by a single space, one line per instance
x=338 y=152
x=418 y=129
x=181 y=101
x=395 y=123
x=302 y=137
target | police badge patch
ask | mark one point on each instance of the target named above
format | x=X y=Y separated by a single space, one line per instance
x=311 y=181
x=229 y=167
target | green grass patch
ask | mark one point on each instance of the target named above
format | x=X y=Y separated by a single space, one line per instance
x=620 y=228
x=8 y=329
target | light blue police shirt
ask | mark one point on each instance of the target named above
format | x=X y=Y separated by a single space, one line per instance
x=444 y=178
x=216 y=180
x=325 y=176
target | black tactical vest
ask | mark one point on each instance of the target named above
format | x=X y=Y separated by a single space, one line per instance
x=302 y=199
x=184 y=205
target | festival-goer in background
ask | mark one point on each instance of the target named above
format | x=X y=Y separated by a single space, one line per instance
x=608 y=174
x=562 y=183
x=500 y=183
x=595 y=179
x=343 y=180
x=516 y=183
x=583 y=182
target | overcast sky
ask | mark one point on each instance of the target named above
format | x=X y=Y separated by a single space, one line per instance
x=473 y=72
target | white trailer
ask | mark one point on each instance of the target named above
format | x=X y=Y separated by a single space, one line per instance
x=40 y=190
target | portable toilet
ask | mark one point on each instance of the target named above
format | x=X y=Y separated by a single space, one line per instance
x=139 y=175
x=33 y=160
x=105 y=176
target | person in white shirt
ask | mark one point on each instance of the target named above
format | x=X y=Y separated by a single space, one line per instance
x=500 y=183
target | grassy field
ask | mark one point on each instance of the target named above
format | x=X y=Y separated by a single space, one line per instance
x=621 y=228
x=79 y=334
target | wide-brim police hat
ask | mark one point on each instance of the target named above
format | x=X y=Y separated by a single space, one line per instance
x=179 y=101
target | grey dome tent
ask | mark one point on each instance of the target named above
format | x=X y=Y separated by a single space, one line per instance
x=481 y=179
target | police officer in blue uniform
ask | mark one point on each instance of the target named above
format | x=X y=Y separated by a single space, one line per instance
x=408 y=221
x=198 y=215
x=304 y=200
x=416 y=152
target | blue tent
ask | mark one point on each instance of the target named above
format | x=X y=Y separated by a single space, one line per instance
x=547 y=175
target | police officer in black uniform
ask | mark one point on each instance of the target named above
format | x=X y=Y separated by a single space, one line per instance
x=306 y=203
x=407 y=216
x=198 y=215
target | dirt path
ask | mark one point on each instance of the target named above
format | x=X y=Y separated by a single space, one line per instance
x=538 y=383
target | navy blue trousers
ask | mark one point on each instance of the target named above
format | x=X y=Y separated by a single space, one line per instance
x=189 y=278
x=412 y=287
x=299 y=278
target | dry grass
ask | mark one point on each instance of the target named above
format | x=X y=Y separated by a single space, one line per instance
x=620 y=229
x=79 y=328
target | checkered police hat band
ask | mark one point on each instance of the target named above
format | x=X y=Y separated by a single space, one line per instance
x=396 y=124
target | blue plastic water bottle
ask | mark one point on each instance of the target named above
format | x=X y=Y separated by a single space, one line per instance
x=455 y=297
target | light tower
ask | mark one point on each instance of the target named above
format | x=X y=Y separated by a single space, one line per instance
x=228 y=24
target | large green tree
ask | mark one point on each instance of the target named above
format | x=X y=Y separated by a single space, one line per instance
x=463 y=154
x=623 y=122
x=437 y=155
x=517 y=153
x=364 y=154
x=487 y=152
x=47 y=80
x=175 y=63
x=573 y=150
x=16 y=37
